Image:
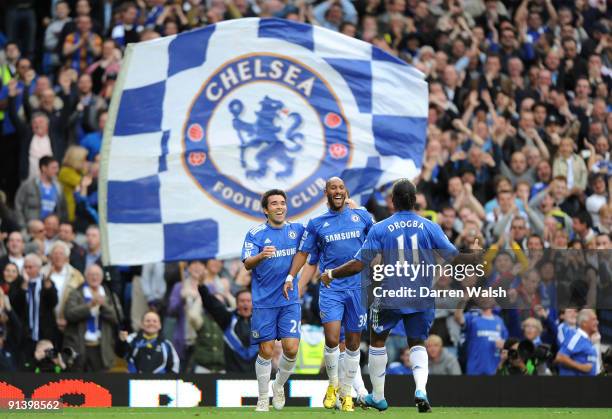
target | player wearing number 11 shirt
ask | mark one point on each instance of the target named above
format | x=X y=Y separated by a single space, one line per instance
x=403 y=237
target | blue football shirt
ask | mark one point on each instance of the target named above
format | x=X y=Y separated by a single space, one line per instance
x=406 y=237
x=564 y=332
x=481 y=333
x=580 y=349
x=335 y=237
x=268 y=278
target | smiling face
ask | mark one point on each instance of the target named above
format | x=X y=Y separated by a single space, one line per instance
x=40 y=125
x=10 y=272
x=336 y=193
x=15 y=244
x=531 y=329
x=276 y=209
x=151 y=324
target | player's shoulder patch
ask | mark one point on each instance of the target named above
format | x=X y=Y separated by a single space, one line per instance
x=258 y=228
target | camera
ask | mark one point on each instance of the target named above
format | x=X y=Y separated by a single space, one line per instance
x=525 y=358
x=51 y=354
x=67 y=355
x=513 y=354
x=538 y=354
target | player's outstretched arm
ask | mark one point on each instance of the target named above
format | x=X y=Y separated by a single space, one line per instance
x=253 y=261
x=351 y=267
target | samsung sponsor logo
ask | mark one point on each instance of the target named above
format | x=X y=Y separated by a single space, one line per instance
x=342 y=236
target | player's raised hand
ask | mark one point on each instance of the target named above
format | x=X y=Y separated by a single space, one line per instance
x=268 y=251
x=476 y=244
x=287 y=287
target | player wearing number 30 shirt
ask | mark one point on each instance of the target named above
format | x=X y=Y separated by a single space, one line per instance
x=403 y=237
x=334 y=237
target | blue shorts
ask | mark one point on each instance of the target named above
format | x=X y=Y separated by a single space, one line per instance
x=276 y=323
x=345 y=306
x=416 y=325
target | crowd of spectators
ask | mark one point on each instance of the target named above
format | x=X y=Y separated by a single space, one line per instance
x=517 y=155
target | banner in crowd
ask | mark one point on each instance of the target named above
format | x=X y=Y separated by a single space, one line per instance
x=202 y=123
x=190 y=390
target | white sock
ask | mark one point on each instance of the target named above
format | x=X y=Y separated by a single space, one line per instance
x=285 y=368
x=341 y=368
x=377 y=365
x=351 y=362
x=419 y=363
x=331 y=364
x=358 y=384
x=263 y=367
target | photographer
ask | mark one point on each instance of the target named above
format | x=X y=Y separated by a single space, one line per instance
x=578 y=356
x=524 y=358
x=512 y=363
x=46 y=359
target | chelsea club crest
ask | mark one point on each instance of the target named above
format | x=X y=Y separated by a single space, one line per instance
x=263 y=121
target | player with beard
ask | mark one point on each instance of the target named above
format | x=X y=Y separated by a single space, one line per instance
x=267 y=252
x=334 y=238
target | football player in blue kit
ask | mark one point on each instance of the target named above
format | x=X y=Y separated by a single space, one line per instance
x=334 y=237
x=397 y=239
x=267 y=252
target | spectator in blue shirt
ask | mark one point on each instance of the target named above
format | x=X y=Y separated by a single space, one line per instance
x=93 y=141
x=403 y=366
x=484 y=334
x=331 y=13
x=567 y=328
x=578 y=356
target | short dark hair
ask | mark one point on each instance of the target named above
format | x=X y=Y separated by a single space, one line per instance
x=268 y=194
x=584 y=218
x=345 y=24
x=46 y=161
x=9 y=43
x=68 y=223
x=242 y=291
x=404 y=195
x=536 y=236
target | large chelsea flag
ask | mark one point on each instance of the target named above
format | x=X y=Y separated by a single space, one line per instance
x=202 y=123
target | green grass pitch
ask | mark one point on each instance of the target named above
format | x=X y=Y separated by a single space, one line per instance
x=311 y=413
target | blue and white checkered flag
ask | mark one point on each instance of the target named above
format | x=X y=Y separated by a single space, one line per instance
x=202 y=123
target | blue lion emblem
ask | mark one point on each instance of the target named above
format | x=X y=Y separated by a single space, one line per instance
x=265 y=132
